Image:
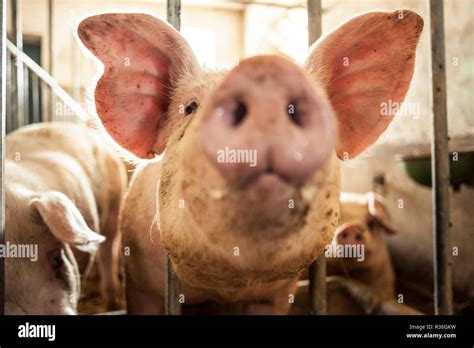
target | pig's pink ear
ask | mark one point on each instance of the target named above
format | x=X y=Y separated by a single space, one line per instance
x=379 y=213
x=362 y=64
x=143 y=57
x=65 y=221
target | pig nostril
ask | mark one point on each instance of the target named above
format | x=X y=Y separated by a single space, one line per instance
x=239 y=113
x=295 y=114
x=344 y=235
x=358 y=237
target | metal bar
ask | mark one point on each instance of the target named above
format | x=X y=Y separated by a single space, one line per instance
x=442 y=273
x=173 y=13
x=49 y=115
x=9 y=97
x=3 y=62
x=317 y=287
x=35 y=99
x=314 y=21
x=378 y=183
x=172 y=288
x=13 y=105
x=18 y=41
x=26 y=96
x=317 y=270
x=50 y=81
x=172 y=285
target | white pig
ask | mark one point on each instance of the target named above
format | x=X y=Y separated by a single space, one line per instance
x=63 y=188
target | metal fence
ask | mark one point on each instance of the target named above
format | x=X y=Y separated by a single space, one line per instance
x=21 y=104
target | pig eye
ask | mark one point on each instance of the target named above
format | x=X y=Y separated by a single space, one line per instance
x=190 y=108
x=371 y=224
x=57 y=261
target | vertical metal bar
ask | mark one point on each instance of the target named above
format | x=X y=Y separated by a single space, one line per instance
x=13 y=105
x=3 y=62
x=314 y=21
x=443 y=292
x=173 y=14
x=317 y=270
x=50 y=114
x=317 y=287
x=9 y=97
x=172 y=286
x=172 y=289
x=18 y=41
x=35 y=86
x=378 y=184
x=26 y=96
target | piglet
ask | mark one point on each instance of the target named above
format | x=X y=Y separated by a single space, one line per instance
x=63 y=188
x=247 y=192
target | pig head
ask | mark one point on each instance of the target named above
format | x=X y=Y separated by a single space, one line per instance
x=50 y=225
x=231 y=220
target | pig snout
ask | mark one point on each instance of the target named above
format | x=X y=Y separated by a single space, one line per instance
x=267 y=119
x=351 y=235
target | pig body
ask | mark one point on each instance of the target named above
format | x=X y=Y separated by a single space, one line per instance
x=63 y=187
x=239 y=230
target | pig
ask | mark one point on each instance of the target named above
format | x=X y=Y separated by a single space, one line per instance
x=367 y=277
x=236 y=229
x=63 y=188
x=364 y=219
x=363 y=281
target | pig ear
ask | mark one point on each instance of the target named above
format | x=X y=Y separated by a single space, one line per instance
x=378 y=211
x=364 y=64
x=143 y=57
x=65 y=221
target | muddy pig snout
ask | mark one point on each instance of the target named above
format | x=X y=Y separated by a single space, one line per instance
x=267 y=118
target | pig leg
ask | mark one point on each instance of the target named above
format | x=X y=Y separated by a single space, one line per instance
x=394 y=308
x=371 y=304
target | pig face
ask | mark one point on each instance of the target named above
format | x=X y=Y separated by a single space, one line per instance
x=249 y=182
x=364 y=220
x=46 y=280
